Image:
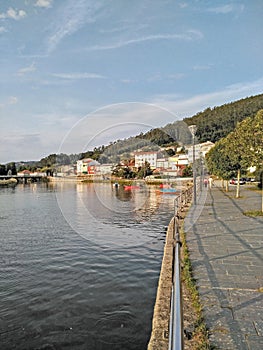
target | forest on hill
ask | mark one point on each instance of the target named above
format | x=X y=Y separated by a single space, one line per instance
x=212 y=124
x=216 y=123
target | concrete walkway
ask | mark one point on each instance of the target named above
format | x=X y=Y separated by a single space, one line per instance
x=227 y=258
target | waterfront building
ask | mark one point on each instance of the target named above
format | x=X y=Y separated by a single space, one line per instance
x=86 y=166
x=200 y=150
x=142 y=157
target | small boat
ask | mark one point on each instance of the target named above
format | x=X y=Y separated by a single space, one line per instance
x=167 y=191
x=165 y=186
x=131 y=187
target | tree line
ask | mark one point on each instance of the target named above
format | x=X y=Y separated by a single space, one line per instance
x=6 y=169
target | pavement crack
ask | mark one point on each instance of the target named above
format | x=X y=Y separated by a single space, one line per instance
x=255 y=326
x=229 y=308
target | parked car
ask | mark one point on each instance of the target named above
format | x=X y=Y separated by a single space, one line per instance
x=251 y=179
x=234 y=181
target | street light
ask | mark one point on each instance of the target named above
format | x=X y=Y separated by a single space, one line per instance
x=201 y=171
x=193 y=129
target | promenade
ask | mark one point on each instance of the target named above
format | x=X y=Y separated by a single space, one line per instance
x=227 y=257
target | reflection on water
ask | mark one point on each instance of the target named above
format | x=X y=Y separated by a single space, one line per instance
x=115 y=222
x=87 y=285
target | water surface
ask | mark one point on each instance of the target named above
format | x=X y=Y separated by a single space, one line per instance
x=79 y=265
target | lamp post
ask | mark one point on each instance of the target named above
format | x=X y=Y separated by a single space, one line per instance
x=201 y=171
x=193 y=129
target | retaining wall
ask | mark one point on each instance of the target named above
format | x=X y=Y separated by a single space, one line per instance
x=161 y=316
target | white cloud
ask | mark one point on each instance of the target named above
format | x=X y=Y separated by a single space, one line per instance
x=189 y=35
x=12 y=100
x=71 y=18
x=186 y=107
x=44 y=3
x=177 y=76
x=202 y=67
x=26 y=70
x=183 y=5
x=13 y=14
x=2 y=30
x=75 y=76
x=128 y=81
x=224 y=9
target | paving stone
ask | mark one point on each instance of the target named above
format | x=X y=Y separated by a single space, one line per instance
x=259 y=327
x=255 y=343
x=226 y=341
x=227 y=254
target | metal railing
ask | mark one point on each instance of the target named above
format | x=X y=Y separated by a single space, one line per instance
x=176 y=329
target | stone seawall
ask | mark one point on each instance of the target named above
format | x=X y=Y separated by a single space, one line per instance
x=64 y=179
x=160 y=324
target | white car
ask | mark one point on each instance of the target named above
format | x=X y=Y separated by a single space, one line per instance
x=234 y=181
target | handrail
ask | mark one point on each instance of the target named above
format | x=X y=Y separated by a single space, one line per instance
x=176 y=329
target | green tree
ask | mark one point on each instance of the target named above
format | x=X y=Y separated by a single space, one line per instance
x=170 y=152
x=11 y=167
x=123 y=172
x=187 y=171
x=240 y=150
x=144 y=171
x=3 y=169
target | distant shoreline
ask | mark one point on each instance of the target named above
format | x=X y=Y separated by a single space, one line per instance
x=184 y=181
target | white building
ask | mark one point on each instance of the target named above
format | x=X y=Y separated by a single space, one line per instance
x=162 y=163
x=86 y=166
x=206 y=146
x=149 y=157
x=104 y=169
x=178 y=161
x=200 y=150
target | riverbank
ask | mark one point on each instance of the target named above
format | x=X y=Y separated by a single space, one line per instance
x=181 y=182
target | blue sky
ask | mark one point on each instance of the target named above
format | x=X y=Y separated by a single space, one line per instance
x=75 y=69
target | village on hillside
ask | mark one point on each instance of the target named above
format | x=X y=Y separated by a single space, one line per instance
x=158 y=161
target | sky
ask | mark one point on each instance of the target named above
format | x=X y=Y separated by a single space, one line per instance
x=80 y=73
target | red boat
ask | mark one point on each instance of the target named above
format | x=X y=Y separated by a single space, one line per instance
x=131 y=187
x=165 y=186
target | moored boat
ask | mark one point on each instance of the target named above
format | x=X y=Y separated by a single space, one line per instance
x=131 y=187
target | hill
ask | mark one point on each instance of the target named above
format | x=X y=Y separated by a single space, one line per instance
x=216 y=123
x=212 y=124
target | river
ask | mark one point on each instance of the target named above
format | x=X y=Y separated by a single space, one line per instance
x=79 y=265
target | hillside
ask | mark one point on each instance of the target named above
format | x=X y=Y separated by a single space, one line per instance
x=216 y=123
x=212 y=124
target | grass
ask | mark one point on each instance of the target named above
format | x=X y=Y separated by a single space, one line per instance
x=200 y=333
x=253 y=213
